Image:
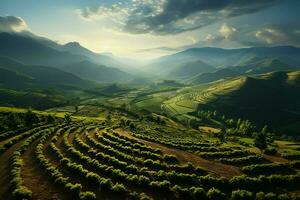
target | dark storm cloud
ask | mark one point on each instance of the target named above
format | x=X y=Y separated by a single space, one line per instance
x=12 y=24
x=184 y=15
x=163 y=17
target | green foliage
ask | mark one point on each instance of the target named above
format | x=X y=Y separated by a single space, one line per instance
x=241 y=195
x=21 y=193
x=68 y=118
x=87 y=196
x=262 y=139
x=215 y=194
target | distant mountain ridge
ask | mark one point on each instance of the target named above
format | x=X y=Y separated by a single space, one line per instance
x=72 y=57
x=190 y=69
x=222 y=58
x=88 y=70
x=19 y=76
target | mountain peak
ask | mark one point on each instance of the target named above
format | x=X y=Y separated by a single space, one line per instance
x=73 y=44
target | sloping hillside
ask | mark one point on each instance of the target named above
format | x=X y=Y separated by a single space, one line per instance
x=99 y=73
x=29 y=51
x=263 y=65
x=214 y=76
x=19 y=76
x=26 y=99
x=189 y=70
x=272 y=99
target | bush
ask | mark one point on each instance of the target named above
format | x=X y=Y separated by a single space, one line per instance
x=74 y=188
x=215 y=194
x=241 y=195
x=268 y=196
x=198 y=193
x=21 y=193
x=170 y=159
x=119 y=188
x=87 y=196
x=270 y=151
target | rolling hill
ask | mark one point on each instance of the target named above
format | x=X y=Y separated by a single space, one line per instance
x=214 y=76
x=37 y=100
x=19 y=76
x=189 y=70
x=263 y=65
x=272 y=99
x=99 y=73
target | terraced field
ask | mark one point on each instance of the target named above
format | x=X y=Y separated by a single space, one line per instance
x=187 y=100
x=94 y=161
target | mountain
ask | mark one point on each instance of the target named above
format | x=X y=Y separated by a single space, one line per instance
x=72 y=57
x=106 y=59
x=221 y=58
x=263 y=65
x=29 y=51
x=187 y=70
x=99 y=73
x=18 y=76
x=213 y=76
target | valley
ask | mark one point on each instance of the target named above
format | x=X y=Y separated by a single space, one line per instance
x=149 y=100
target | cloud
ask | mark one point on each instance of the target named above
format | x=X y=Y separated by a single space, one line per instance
x=12 y=24
x=165 y=17
x=165 y=49
x=279 y=34
x=227 y=31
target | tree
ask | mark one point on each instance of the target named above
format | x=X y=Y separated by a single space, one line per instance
x=50 y=119
x=262 y=139
x=76 y=108
x=12 y=121
x=30 y=118
x=222 y=136
x=68 y=118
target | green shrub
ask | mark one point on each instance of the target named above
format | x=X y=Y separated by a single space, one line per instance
x=271 y=151
x=215 y=194
x=21 y=193
x=198 y=193
x=241 y=195
x=170 y=159
x=87 y=196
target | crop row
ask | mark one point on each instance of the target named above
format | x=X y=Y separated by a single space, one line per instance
x=19 y=190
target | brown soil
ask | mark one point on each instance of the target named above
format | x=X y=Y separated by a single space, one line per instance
x=36 y=180
x=215 y=168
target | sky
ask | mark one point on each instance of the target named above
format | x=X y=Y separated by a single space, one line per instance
x=146 y=29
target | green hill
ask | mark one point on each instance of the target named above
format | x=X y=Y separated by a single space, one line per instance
x=272 y=99
x=262 y=65
x=30 y=51
x=30 y=99
x=188 y=70
x=12 y=79
x=99 y=73
x=19 y=76
x=214 y=76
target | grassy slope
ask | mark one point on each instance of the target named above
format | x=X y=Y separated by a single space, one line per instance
x=272 y=98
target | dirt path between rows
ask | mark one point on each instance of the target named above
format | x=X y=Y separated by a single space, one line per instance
x=5 y=192
x=36 y=179
x=215 y=168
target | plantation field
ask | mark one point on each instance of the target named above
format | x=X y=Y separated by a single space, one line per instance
x=101 y=158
